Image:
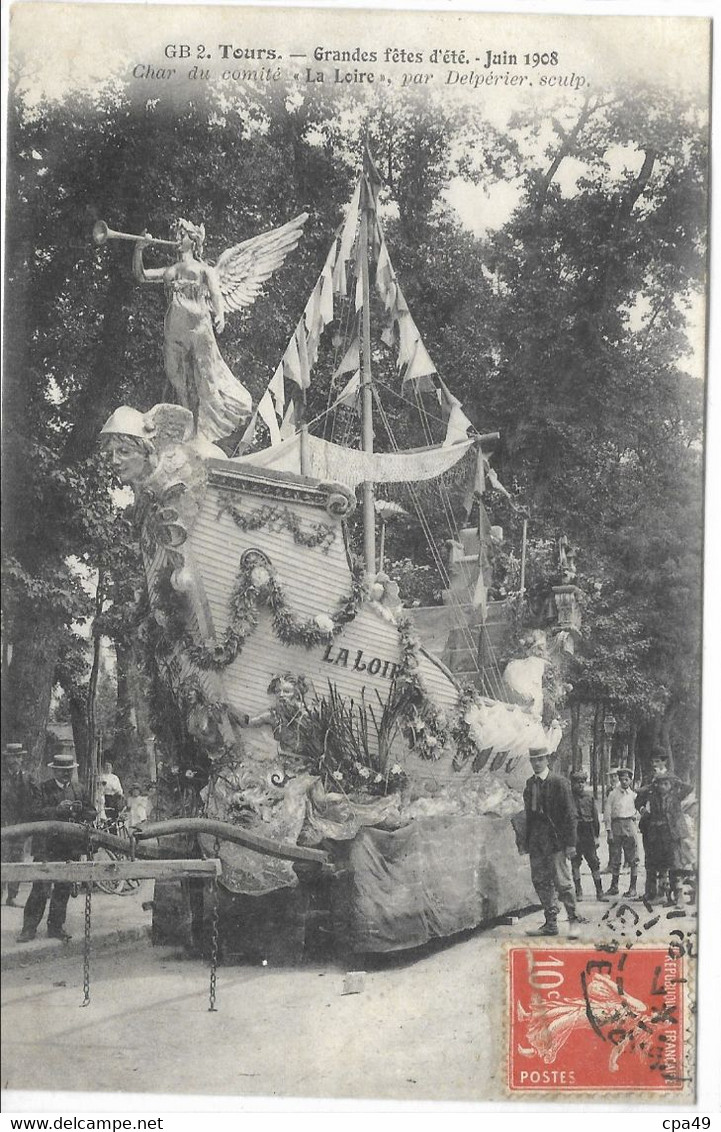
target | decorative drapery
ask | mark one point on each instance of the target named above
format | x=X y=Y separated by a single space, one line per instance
x=352 y=467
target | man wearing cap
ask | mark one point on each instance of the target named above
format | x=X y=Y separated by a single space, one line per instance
x=15 y=803
x=588 y=829
x=550 y=840
x=56 y=799
x=664 y=827
x=621 y=811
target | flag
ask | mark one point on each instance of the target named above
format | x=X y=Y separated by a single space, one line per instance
x=291 y=363
x=302 y=342
x=276 y=386
x=287 y=428
x=495 y=482
x=266 y=410
x=347 y=239
x=421 y=367
x=350 y=360
x=248 y=436
x=349 y=395
x=458 y=425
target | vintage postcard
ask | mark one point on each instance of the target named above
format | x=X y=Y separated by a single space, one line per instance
x=353 y=432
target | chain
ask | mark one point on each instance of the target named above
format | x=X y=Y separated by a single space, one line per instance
x=214 y=935
x=86 y=950
x=88 y=911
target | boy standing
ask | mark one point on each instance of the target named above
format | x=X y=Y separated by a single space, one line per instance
x=588 y=829
x=621 y=810
x=665 y=827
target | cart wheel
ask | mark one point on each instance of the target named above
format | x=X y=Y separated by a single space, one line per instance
x=112 y=887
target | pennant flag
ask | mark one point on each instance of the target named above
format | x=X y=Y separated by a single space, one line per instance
x=266 y=410
x=385 y=279
x=347 y=240
x=475 y=485
x=276 y=386
x=494 y=480
x=302 y=343
x=291 y=363
x=325 y=303
x=287 y=428
x=248 y=436
x=458 y=425
x=349 y=396
x=421 y=366
x=479 y=599
x=350 y=360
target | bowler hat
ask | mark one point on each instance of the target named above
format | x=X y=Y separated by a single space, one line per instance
x=63 y=761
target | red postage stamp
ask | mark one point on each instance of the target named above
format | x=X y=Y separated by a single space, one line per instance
x=583 y=1018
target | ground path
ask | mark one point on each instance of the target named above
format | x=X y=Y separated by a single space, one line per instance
x=427 y=1024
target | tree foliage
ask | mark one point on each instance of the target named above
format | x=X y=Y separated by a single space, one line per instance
x=564 y=330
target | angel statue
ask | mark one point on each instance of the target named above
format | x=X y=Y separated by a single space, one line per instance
x=198 y=295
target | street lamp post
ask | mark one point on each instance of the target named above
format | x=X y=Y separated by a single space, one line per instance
x=609 y=728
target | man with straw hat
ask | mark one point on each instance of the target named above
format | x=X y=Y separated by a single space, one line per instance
x=551 y=834
x=58 y=798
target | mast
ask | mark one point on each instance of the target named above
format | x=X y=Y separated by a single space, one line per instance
x=369 y=518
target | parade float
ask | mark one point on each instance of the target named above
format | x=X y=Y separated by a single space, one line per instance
x=323 y=719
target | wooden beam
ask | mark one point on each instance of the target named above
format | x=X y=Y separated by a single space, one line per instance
x=80 y=872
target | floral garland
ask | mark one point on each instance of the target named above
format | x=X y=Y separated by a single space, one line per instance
x=277 y=519
x=424 y=725
x=256 y=585
x=466 y=748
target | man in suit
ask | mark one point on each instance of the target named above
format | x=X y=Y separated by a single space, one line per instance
x=56 y=799
x=550 y=841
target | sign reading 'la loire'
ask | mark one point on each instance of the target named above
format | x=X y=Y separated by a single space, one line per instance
x=359 y=662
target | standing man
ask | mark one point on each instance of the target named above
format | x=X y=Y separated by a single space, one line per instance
x=621 y=811
x=56 y=799
x=550 y=840
x=15 y=803
x=588 y=830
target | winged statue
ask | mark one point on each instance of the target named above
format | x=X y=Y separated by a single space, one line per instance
x=198 y=296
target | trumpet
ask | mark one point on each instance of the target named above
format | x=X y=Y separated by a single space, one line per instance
x=101 y=234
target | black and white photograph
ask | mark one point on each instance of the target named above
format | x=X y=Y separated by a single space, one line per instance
x=353 y=453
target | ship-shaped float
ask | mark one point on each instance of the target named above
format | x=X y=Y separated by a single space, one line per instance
x=322 y=716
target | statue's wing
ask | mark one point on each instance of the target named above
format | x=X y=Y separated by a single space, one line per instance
x=243 y=269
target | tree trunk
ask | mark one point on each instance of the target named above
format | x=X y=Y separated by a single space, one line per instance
x=27 y=691
x=576 y=753
x=595 y=749
x=632 y=751
x=78 y=722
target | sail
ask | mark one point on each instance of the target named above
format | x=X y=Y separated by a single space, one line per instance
x=349 y=466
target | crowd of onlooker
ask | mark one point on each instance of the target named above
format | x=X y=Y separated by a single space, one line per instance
x=661 y=811
x=561 y=826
